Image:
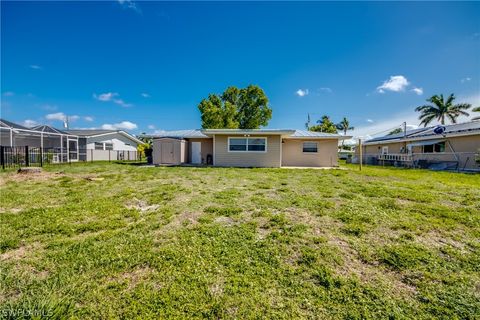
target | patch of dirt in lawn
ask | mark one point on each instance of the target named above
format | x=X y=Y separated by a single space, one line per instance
x=11 y=210
x=133 y=277
x=141 y=205
x=32 y=176
x=368 y=273
x=190 y=218
x=21 y=252
x=226 y=221
x=436 y=240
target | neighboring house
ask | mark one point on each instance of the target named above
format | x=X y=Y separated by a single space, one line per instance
x=68 y=145
x=439 y=147
x=106 y=144
x=247 y=148
x=62 y=145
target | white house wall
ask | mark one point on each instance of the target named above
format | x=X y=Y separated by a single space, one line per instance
x=120 y=142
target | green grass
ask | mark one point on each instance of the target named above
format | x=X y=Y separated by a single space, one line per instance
x=383 y=243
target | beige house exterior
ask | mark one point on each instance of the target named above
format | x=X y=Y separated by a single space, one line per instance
x=247 y=148
x=454 y=147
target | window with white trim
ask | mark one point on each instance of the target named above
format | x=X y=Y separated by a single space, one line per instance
x=108 y=146
x=98 y=145
x=311 y=147
x=247 y=144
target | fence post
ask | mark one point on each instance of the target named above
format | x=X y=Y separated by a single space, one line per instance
x=41 y=157
x=27 y=157
x=91 y=155
x=109 y=156
x=2 y=156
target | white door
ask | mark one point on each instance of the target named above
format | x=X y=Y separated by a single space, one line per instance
x=196 y=152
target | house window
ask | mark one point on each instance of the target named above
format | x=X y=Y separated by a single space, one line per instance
x=98 y=145
x=385 y=150
x=256 y=144
x=310 y=147
x=108 y=146
x=247 y=144
x=434 y=148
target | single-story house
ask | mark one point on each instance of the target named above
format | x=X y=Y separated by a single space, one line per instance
x=455 y=146
x=106 y=144
x=247 y=148
x=68 y=145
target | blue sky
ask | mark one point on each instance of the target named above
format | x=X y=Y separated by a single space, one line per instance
x=145 y=66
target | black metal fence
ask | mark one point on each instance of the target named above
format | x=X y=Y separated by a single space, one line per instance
x=26 y=156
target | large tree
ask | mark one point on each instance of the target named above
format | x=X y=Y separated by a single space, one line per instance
x=440 y=109
x=236 y=108
x=324 y=125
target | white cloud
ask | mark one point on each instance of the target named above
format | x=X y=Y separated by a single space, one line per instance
x=111 y=97
x=151 y=126
x=88 y=118
x=8 y=94
x=59 y=116
x=325 y=89
x=369 y=120
x=124 y=125
x=29 y=123
x=145 y=95
x=36 y=67
x=301 y=92
x=395 y=84
x=418 y=91
x=463 y=80
x=130 y=4
x=105 y=96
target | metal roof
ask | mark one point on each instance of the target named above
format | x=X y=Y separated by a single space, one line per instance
x=314 y=134
x=49 y=129
x=7 y=124
x=206 y=133
x=473 y=126
x=182 y=134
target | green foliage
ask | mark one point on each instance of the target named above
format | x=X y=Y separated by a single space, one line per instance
x=395 y=131
x=477 y=109
x=441 y=109
x=245 y=108
x=324 y=125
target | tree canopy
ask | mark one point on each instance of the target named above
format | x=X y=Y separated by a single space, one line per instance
x=245 y=108
x=324 y=125
x=440 y=109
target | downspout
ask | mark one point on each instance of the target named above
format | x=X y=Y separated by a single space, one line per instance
x=11 y=137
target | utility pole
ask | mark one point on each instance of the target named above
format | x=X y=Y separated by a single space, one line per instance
x=360 y=160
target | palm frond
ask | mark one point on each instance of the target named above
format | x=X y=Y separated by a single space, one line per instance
x=450 y=100
x=463 y=106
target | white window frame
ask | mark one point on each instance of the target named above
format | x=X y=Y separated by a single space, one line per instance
x=308 y=152
x=384 y=150
x=247 y=151
x=98 y=143
x=105 y=145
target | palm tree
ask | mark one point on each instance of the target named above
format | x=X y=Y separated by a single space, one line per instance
x=477 y=109
x=344 y=126
x=442 y=109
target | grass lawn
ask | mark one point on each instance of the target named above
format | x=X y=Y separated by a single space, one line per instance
x=239 y=243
